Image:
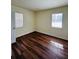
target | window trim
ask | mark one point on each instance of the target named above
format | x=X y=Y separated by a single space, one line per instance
x=62 y=20
x=22 y=20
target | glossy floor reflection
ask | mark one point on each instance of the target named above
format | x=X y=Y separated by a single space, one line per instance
x=40 y=46
x=56 y=44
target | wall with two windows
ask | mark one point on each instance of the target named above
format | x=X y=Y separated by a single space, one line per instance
x=45 y=22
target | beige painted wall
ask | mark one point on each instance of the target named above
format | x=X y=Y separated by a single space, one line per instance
x=43 y=22
x=28 y=21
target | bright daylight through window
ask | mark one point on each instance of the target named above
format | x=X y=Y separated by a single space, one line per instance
x=57 y=20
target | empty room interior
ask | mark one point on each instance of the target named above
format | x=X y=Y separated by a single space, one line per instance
x=39 y=29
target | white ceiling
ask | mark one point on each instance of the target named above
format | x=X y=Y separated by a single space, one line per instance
x=39 y=4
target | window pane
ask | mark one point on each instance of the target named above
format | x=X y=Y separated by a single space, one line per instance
x=57 y=20
x=18 y=20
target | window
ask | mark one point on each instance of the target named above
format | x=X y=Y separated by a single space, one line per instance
x=57 y=20
x=18 y=20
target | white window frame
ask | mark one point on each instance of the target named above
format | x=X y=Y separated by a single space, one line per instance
x=55 y=24
x=18 y=21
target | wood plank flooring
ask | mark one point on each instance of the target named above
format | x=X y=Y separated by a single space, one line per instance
x=39 y=46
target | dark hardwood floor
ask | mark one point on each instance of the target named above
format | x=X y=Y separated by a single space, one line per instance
x=39 y=46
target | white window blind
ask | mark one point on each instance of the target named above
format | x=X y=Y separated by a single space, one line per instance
x=57 y=20
x=18 y=20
